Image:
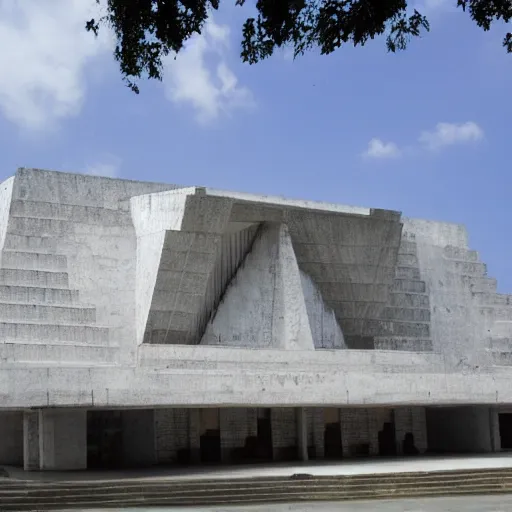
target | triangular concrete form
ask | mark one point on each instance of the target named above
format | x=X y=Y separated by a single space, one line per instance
x=291 y=325
x=324 y=327
x=263 y=306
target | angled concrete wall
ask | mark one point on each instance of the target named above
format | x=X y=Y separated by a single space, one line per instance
x=107 y=288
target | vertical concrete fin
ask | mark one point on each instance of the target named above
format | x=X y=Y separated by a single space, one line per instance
x=181 y=302
x=6 y=189
x=153 y=215
x=291 y=329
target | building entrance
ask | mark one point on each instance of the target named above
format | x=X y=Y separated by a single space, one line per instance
x=332 y=434
x=104 y=440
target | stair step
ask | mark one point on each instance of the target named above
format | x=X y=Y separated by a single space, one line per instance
x=403 y=344
x=282 y=496
x=47 y=313
x=493 y=299
x=21 y=331
x=197 y=487
x=33 y=260
x=483 y=284
x=408 y=247
x=28 y=243
x=182 y=482
x=407 y=260
x=409 y=300
x=500 y=344
x=497 y=312
x=460 y=253
x=501 y=329
x=30 y=295
x=407 y=273
x=68 y=212
x=406 y=314
x=30 y=352
x=384 y=328
x=34 y=278
x=466 y=268
x=474 y=284
x=34 y=226
x=409 y=286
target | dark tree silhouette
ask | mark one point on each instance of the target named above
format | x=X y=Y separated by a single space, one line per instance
x=147 y=30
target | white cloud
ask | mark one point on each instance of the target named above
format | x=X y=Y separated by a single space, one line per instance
x=379 y=149
x=288 y=53
x=200 y=76
x=108 y=167
x=45 y=49
x=449 y=134
x=429 y=7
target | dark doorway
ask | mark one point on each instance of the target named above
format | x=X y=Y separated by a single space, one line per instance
x=104 y=440
x=332 y=441
x=387 y=444
x=505 y=420
x=332 y=433
x=210 y=446
x=264 y=435
x=408 y=446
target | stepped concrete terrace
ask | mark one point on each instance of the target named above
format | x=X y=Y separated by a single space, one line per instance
x=186 y=325
x=285 y=483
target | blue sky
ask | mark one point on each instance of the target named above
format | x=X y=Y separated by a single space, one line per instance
x=425 y=131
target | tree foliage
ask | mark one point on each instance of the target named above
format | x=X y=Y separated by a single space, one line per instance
x=148 y=30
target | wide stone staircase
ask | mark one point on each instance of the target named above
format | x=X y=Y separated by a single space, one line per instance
x=491 y=305
x=41 y=318
x=39 y=495
x=406 y=320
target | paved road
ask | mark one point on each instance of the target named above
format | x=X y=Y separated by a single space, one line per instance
x=466 y=504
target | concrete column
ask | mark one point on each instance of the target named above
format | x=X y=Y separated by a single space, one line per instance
x=31 y=440
x=284 y=433
x=139 y=442
x=316 y=430
x=419 y=428
x=302 y=433
x=373 y=431
x=403 y=424
x=63 y=439
x=194 y=435
x=234 y=430
x=252 y=422
x=494 y=425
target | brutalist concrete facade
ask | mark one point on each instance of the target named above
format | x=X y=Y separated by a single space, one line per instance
x=188 y=312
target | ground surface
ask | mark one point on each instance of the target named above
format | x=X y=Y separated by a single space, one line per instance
x=347 y=467
x=466 y=504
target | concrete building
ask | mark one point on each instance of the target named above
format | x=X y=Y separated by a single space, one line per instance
x=146 y=323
